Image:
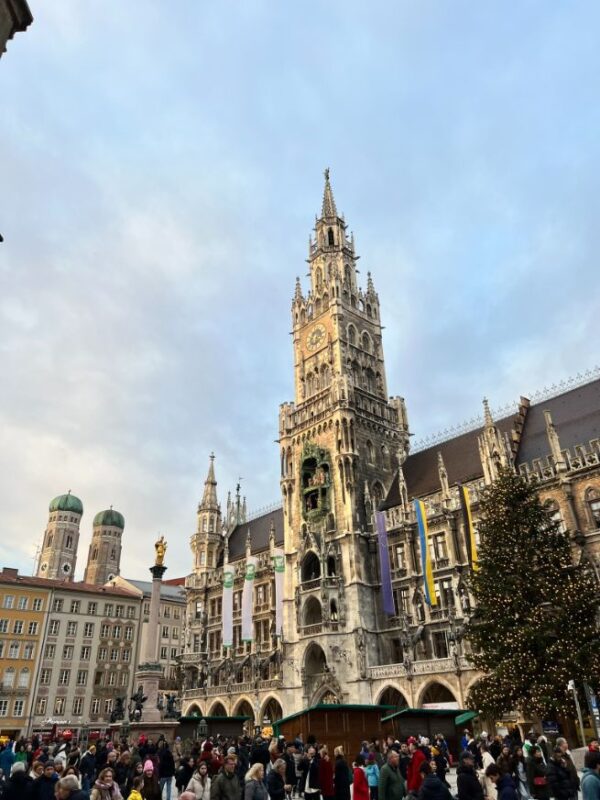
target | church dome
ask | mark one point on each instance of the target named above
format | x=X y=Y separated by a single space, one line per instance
x=109 y=518
x=66 y=502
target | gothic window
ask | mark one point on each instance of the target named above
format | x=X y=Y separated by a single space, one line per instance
x=355 y=373
x=318 y=278
x=593 y=500
x=69 y=542
x=438 y=548
x=318 y=306
x=370 y=452
x=312 y=612
x=94 y=553
x=369 y=312
x=204 y=525
x=379 y=382
x=366 y=342
x=347 y=273
x=325 y=376
x=331 y=566
x=50 y=539
x=325 y=300
x=553 y=510
x=377 y=494
x=440 y=644
x=351 y=334
x=113 y=553
x=370 y=380
x=333 y=611
x=330 y=237
x=311 y=567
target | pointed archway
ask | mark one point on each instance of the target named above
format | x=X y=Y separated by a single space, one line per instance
x=217 y=710
x=391 y=696
x=437 y=695
x=271 y=710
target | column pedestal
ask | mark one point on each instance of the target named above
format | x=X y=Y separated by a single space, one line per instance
x=149 y=672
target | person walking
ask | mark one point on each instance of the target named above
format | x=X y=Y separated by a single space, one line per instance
x=590 y=781
x=166 y=769
x=537 y=775
x=19 y=785
x=150 y=786
x=506 y=789
x=254 y=786
x=69 y=788
x=277 y=785
x=372 y=770
x=341 y=775
x=200 y=782
x=226 y=786
x=105 y=787
x=560 y=782
x=433 y=787
x=360 y=786
x=326 y=774
x=43 y=787
x=312 y=788
x=391 y=782
x=467 y=782
x=414 y=777
x=562 y=743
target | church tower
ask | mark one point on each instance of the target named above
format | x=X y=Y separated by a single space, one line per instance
x=59 y=548
x=341 y=443
x=104 y=555
x=207 y=540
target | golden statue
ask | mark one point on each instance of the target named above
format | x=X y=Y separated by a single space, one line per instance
x=161 y=548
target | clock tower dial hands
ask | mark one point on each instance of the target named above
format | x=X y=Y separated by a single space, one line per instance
x=315 y=338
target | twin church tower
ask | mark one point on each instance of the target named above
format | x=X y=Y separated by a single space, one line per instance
x=58 y=555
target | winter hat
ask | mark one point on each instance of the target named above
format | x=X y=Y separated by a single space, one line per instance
x=411 y=740
x=371 y=757
x=18 y=766
x=49 y=763
x=208 y=746
x=231 y=751
x=148 y=766
x=466 y=754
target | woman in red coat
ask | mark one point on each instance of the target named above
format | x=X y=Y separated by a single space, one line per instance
x=360 y=783
x=326 y=774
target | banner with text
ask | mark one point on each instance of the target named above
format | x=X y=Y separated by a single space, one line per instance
x=248 y=600
x=227 y=609
x=279 y=568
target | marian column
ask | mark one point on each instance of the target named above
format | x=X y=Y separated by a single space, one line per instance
x=149 y=672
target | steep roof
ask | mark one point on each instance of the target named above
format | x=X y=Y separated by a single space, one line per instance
x=167 y=591
x=11 y=576
x=576 y=417
x=259 y=529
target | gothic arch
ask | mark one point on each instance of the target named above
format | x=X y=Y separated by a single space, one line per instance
x=366 y=342
x=271 y=709
x=377 y=493
x=436 y=691
x=592 y=502
x=217 y=710
x=243 y=708
x=392 y=696
x=351 y=335
x=312 y=612
x=310 y=569
x=315 y=660
x=193 y=710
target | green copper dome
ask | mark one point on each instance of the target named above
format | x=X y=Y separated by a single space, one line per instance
x=110 y=517
x=66 y=502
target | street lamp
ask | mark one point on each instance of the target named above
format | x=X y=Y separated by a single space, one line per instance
x=202 y=729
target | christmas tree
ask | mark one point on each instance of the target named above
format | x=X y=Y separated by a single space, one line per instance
x=534 y=626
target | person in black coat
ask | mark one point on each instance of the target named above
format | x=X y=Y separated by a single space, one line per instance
x=19 y=785
x=559 y=777
x=505 y=785
x=341 y=776
x=432 y=787
x=290 y=764
x=276 y=781
x=467 y=782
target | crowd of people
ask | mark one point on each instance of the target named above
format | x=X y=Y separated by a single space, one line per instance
x=240 y=768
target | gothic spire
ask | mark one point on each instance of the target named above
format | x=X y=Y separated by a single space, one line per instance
x=328 y=209
x=209 y=498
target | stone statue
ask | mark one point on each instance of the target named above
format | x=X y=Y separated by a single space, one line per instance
x=161 y=548
x=172 y=712
x=118 y=711
x=138 y=699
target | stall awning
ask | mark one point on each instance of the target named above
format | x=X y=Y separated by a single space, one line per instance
x=432 y=712
x=466 y=716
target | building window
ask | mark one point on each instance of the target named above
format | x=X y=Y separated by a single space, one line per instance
x=108 y=609
x=8 y=679
x=146 y=609
x=173 y=653
x=9 y=600
x=85 y=653
x=105 y=631
x=130 y=612
x=54 y=627
x=175 y=633
x=3 y=708
x=198 y=607
x=129 y=634
x=112 y=679
x=196 y=644
x=440 y=644
x=124 y=678
x=28 y=650
x=163 y=652
x=37 y=604
x=78 y=706
x=114 y=654
x=67 y=652
x=24 y=678
x=82 y=677
x=166 y=612
x=438 y=548
x=50 y=651
x=102 y=651
x=18 y=626
x=22 y=604
x=64 y=676
x=57 y=605
x=18 y=708
x=120 y=611
x=32 y=629
x=95 y=706
x=41 y=705
x=126 y=656
x=444 y=593
x=3 y=626
x=165 y=632
x=116 y=632
x=13 y=650
x=59 y=706
x=45 y=677
x=92 y=609
x=98 y=678
x=176 y=613
x=69 y=542
x=71 y=629
x=88 y=630
x=108 y=704
x=592 y=497
x=75 y=606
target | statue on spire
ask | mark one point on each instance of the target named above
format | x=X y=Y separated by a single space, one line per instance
x=328 y=209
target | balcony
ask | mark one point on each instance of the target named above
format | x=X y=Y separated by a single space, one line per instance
x=309 y=586
x=426 y=667
x=312 y=630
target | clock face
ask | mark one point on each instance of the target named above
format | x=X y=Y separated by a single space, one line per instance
x=66 y=568
x=44 y=567
x=316 y=337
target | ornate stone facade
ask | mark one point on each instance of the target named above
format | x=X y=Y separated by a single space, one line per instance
x=344 y=449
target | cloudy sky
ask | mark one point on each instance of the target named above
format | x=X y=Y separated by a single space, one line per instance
x=161 y=168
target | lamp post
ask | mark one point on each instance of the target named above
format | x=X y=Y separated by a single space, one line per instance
x=202 y=730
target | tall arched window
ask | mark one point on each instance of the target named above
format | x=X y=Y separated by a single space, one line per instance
x=330 y=237
x=325 y=376
x=592 y=497
x=370 y=452
x=24 y=678
x=318 y=278
x=351 y=334
x=8 y=679
x=366 y=342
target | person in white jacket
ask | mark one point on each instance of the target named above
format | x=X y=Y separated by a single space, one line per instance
x=200 y=782
x=489 y=787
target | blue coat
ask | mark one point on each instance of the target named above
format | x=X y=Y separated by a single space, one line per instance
x=7 y=759
x=590 y=784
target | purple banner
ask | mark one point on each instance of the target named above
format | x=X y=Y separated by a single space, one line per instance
x=387 y=595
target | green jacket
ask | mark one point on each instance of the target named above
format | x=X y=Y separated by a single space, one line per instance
x=391 y=784
x=225 y=787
